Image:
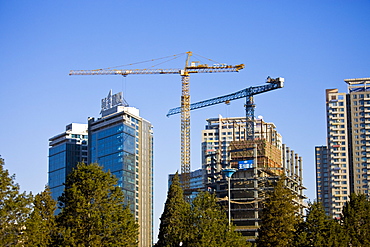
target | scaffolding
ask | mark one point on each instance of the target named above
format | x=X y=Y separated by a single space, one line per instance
x=268 y=155
x=259 y=163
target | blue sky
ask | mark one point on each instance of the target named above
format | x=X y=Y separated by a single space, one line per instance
x=314 y=45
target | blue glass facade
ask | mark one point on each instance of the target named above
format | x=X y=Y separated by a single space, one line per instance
x=114 y=148
x=196 y=182
x=63 y=157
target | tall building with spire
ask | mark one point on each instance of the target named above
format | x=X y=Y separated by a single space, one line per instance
x=342 y=165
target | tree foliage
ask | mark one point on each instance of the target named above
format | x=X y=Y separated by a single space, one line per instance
x=92 y=210
x=279 y=219
x=175 y=221
x=93 y=214
x=210 y=224
x=203 y=223
x=14 y=209
x=41 y=225
x=356 y=220
x=319 y=229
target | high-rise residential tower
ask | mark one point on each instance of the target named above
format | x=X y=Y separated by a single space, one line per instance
x=342 y=165
x=66 y=150
x=322 y=176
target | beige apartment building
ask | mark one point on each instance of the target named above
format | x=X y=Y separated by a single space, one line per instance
x=342 y=165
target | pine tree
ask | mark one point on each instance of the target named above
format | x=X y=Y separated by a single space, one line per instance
x=175 y=219
x=319 y=229
x=14 y=209
x=41 y=225
x=336 y=236
x=356 y=220
x=279 y=219
x=92 y=210
x=210 y=224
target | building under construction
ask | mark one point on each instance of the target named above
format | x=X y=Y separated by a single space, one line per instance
x=258 y=164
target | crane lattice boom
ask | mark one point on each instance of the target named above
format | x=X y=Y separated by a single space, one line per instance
x=189 y=69
x=229 y=97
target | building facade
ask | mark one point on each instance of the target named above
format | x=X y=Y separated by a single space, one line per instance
x=196 y=182
x=220 y=132
x=66 y=150
x=323 y=177
x=342 y=165
x=122 y=142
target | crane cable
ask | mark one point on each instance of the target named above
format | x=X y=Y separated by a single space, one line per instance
x=151 y=60
x=205 y=58
x=164 y=62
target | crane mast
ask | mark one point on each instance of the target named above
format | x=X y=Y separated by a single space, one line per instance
x=185 y=127
x=185 y=99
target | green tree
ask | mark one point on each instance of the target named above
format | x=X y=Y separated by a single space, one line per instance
x=92 y=210
x=175 y=219
x=210 y=224
x=356 y=220
x=319 y=229
x=279 y=219
x=336 y=236
x=14 y=209
x=41 y=225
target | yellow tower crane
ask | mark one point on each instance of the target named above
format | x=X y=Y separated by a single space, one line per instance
x=194 y=67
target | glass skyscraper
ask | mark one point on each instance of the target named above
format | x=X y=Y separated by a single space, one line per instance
x=114 y=147
x=121 y=142
x=66 y=150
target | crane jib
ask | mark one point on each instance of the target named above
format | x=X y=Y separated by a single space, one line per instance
x=202 y=69
x=274 y=84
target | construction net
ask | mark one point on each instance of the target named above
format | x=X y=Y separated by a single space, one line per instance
x=268 y=155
